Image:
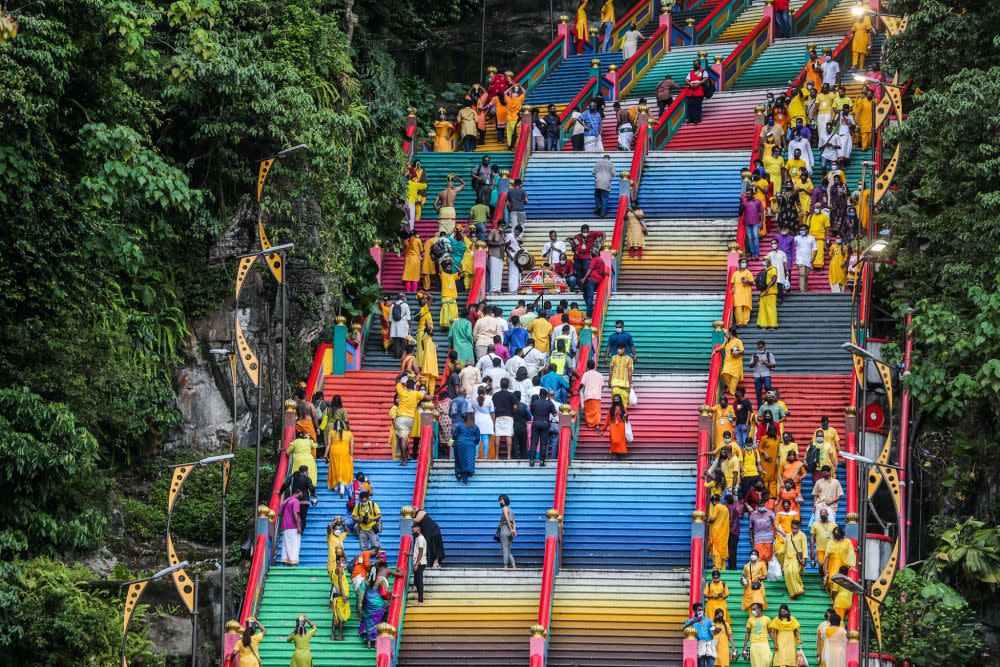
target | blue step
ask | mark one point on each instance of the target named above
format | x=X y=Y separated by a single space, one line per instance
x=563 y=83
x=468 y=515
x=561 y=184
x=696 y=184
x=392 y=485
x=608 y=527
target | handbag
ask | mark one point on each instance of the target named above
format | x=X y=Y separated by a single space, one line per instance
x=496 y=535
x=629 y=436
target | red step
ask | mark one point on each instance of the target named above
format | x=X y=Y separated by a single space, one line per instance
x=809 y=397
x=367 y=397
x=392 y=261
x=664 y=422
x=727 y=123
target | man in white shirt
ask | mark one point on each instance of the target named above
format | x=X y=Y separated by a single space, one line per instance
x=534 y=360
x=485 y=362
x=515 y=363
x=831 y=70
x=554 y=249
x=592 y=387
x=419 y=560
x=802 y=145
x=513 y=246
x=496 y=373
x=779 y=260
x=805 y=253
x=827 y=492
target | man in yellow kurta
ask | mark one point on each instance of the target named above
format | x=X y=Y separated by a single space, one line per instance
x=411 y=262
x=796 y=550
x=718 y=533
x=819 y=227
x=861 y=42
x=804 y=186
x=581 y=30
x=449 y=293
x=621 y=366
x=732 y=365
x=742 y=286
x=863 y=117
x=767 y=306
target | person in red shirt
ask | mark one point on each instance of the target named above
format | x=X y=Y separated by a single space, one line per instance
x=595 y=274
x=695 y=82
x=585 y=245
x=782 y=18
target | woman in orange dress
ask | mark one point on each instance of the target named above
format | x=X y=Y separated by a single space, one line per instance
x=614 y=424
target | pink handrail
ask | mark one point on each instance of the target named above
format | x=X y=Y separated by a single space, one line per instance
x=386 y=645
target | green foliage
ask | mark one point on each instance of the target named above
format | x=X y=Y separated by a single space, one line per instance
x=51 y=618
x=968 y=553
x=945 y=214
x=929 y=624
x=49 y=482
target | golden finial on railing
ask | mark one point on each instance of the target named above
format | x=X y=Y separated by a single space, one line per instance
x=563 y=19
x=689 y=22
x=595 y=62
x=612 y=67
x=539 y=631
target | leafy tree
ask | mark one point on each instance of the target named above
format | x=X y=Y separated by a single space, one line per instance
x=50 y=617
x=929 y=624
x=50 y=481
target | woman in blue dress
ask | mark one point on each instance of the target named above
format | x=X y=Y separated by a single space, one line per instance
x=466 y=435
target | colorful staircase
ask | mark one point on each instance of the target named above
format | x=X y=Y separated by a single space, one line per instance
x=367 y=396
x=568 y=78
x=561 y=185
x=680 y=256
x=474 y=612
x=605 y=527
x=782 y=62
x=808 y=397
x=291 y=591
x=727 y=123
x=811 y=329
x=610 y=617
x=664 y=422
x=676 y=63
x=377 y=358
x=690 y=185
x=439 y=165
x=672 y=332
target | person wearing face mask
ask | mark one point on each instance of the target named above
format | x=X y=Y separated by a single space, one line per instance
x=705 y=635
x=742 y=285
x=718 y=532
x=725 y=647
x=620 y=338
x=819 y=229
x=831 y=71
x=767 y=304
x=759 y=638
x=779 y=260
x=730 y=464
x=752 y=211
x=794 y=562
x=838 y=265
x=820 y=535
x=716 y=593
x=750 y=474
x=785 y=635
x=732 y=364
x=828 y=453
x=762 y=524
x=724 y=418
x=805 y=254
x=827 y=491
x=793 y=469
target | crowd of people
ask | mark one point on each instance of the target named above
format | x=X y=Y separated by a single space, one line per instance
x=504 y=382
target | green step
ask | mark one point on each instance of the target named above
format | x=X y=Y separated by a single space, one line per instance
x=290 y=591
x=808 y=609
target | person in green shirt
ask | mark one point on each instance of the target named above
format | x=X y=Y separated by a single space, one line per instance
x=460 y=337
x=302 y=655
x=478 y=216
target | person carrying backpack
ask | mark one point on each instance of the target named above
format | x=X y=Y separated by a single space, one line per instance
x=399 y=325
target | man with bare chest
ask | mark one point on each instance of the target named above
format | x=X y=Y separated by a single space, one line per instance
x=444 y=204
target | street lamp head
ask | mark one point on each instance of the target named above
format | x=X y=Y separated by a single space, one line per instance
x=219 y=351
x=853 y=349
x=857 y=458
x=216 y=459
x=869 y=163
x=876 y=248
x=846 y=582
x=860 y=10
x=269 y=251
x=298 y=148
x=861 y=78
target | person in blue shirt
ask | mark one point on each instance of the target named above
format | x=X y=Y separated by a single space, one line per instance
x=706 y=635
x=556 y=384
x=621 y=338
x=592 y=120
x=516 y=337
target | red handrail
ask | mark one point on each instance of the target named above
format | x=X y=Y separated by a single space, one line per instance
x=385 y=648
x=516 y=171
x=627 y=16
x=261 y=555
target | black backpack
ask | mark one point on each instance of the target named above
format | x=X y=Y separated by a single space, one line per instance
x=812 y=458
x=761 y=280
x=708 y=87
x=397 y=311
